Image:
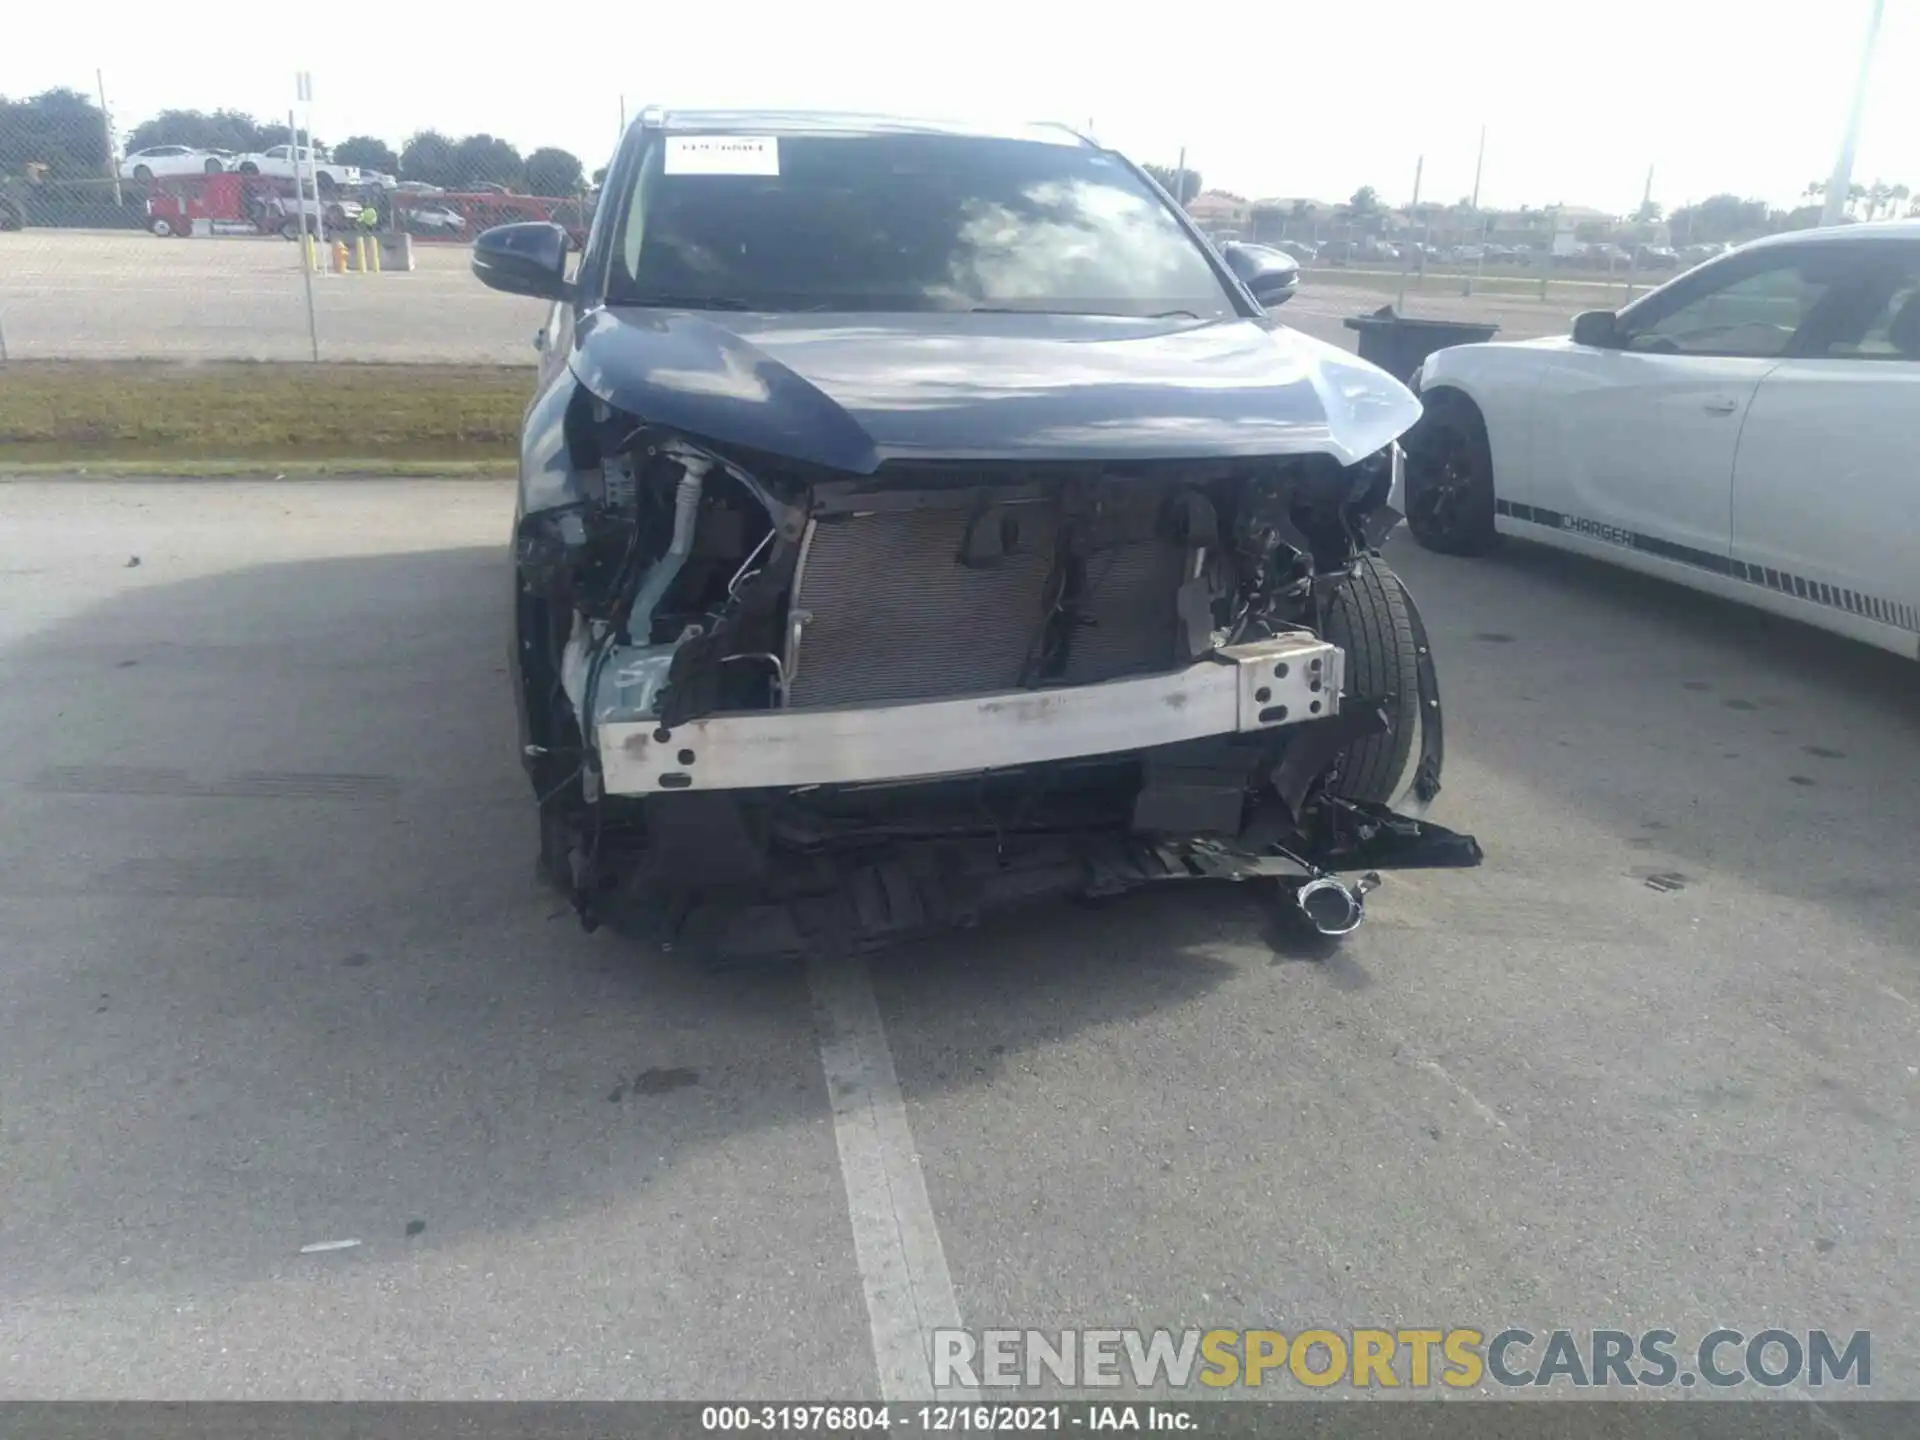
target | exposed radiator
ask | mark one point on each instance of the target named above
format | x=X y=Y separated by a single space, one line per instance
x=1128 y=624
x=894 y=616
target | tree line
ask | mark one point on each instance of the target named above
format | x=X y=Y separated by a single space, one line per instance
x=61 y=135
x=1718 y=219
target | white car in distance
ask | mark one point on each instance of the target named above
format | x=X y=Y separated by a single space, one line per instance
x=281 y=162
x=1751 y=429
x=161 y=162
x=433 y=220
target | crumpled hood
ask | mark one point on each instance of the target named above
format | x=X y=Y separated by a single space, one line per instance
x=854 y=391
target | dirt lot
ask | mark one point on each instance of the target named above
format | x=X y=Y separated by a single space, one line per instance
x=69 y=295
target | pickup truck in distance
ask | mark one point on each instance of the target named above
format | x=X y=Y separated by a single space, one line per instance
x=281 y=162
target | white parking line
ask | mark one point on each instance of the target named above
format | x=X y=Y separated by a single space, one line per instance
x=895 y=1241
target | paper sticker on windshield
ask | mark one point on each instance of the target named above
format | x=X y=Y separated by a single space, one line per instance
x=722 y=155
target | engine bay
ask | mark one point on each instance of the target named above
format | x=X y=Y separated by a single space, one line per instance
x=700 y=582
x=1177 y=605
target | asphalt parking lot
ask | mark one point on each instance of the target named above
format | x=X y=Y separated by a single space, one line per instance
x=102 y=296
x=274 y=973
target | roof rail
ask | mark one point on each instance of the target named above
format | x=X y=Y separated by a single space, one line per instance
x=1083 y=135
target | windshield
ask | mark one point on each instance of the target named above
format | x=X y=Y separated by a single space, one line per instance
x=903 y=222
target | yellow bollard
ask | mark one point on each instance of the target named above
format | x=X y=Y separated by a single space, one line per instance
x=360 y=253
x=312 y=252
x=373 y=252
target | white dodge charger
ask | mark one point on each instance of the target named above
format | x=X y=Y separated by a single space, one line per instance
x=1751 y=428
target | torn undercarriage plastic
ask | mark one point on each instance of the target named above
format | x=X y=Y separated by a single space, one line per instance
x=806 y=903
x=734 y=878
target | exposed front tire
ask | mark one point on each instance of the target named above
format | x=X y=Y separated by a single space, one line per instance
x=143 y=174
x=1450 y=499
x=161 y=227
x=1371 y=619
x=249 y=168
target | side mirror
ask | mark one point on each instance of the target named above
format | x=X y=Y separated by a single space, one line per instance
x=1270 y=275
x=524 y=259
x=1599 y=329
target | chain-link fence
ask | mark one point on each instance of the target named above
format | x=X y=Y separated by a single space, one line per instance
x=217 y=235
x=214 y=236
x=1463 y=249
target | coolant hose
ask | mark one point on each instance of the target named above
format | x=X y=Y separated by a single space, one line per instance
x=686 y=510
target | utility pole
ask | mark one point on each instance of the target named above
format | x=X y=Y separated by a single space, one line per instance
x=1841 y=182
x=1479 y=163
x=1646 y=200
x=1180 y=179
x=306 y=241
x=106 y=126
x=303 y=166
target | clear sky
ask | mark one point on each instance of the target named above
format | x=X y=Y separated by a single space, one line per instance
x=1282 y=98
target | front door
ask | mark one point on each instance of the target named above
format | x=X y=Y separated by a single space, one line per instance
x=1826 y=503
x=1637 y=440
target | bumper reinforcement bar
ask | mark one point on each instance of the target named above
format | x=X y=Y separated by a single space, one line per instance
x=1286 y=680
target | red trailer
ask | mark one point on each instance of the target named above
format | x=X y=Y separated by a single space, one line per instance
x=231 y=203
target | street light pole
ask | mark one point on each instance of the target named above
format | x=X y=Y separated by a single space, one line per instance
x=1841 y=182
x=1473 y=208
x=1400 y=300
x=106 y=126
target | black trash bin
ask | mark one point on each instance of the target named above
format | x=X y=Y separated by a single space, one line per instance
x=1400 y=345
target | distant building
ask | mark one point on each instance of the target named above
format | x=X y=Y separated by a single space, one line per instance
x=1287 y=205
x=1547 y=219
x=1211 y=208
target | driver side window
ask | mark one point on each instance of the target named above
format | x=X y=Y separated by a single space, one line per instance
x=1756 y=316
x=634 y=227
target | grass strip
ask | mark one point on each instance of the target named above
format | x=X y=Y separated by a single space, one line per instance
x=253 y=417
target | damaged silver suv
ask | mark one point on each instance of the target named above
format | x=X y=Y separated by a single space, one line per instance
x=917 y=521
